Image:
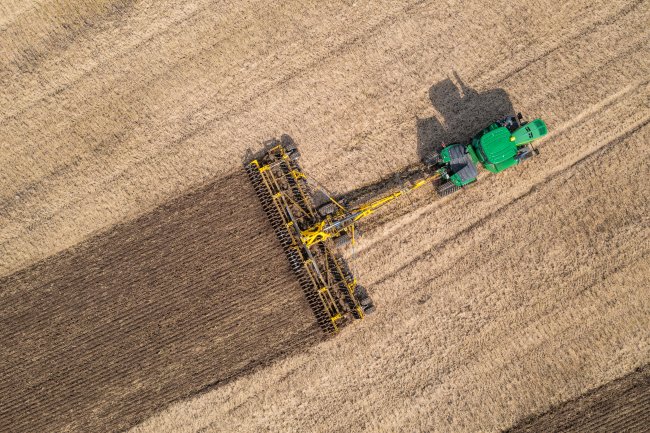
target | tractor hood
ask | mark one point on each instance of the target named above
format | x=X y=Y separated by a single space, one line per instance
x=496 y=146
x=529 y=132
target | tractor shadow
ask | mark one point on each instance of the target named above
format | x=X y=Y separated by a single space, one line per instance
x=461 y=112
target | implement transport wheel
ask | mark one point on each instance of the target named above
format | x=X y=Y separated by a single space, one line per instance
x=447 y=188
x=368 y=309
x=342 y=240
x=294 y=154
x=366 y=303
x=328 y=209
x=290 y=147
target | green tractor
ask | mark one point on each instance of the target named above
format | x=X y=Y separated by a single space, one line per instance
x=503 y=144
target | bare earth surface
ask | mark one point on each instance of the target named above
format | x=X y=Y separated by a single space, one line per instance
x=181 y=299
x=525 y=291
x=622 y=405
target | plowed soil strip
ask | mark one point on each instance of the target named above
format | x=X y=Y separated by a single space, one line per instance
x=193 y=294
x=621 y=405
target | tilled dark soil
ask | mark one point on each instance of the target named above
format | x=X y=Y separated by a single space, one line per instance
x=622 y=405
x=190 y=295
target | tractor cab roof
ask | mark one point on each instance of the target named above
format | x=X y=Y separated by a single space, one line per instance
x=496 y=146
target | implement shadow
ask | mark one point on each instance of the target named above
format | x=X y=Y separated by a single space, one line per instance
x=182 y=299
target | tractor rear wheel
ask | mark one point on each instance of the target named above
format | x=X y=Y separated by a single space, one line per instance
x=447 y=188
x=432 y=159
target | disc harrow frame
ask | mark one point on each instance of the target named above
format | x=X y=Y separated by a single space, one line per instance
x=324 y=276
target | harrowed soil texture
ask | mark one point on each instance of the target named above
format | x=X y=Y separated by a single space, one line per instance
x=186 y=297
x=622 y=405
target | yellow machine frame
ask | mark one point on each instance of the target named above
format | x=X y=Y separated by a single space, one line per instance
x=343 y=220
x=325 y=277
x=305 y=235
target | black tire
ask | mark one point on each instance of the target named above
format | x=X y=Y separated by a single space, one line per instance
x=342 y=240
x=432 y=159
x=447 y=188
x=361 y=293
x=328 y=209
x=366 y=303
x=290 y=147
x=368 y=309
x=526 y=154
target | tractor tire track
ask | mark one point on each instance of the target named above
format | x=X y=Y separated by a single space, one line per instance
x=425 y=210
x=175 y=146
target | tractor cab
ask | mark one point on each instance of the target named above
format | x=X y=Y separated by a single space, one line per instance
x=495 y=150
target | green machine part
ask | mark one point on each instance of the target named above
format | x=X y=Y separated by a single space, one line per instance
x=498 y=149
x=461 y=161
x=529 y=132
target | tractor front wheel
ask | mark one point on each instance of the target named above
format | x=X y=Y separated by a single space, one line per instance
x=526 y=153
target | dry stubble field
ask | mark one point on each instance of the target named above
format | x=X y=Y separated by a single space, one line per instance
x=525 y=291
